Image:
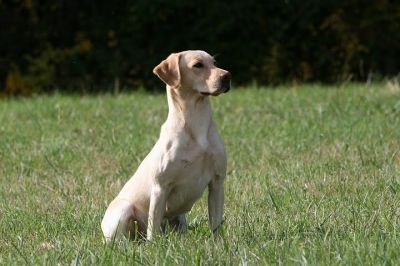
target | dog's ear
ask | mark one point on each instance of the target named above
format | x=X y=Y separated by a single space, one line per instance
x=168 y=71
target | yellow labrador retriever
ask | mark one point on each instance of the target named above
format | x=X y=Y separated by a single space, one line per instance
x=188 y=157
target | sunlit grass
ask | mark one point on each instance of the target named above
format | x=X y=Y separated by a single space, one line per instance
x=313 y=177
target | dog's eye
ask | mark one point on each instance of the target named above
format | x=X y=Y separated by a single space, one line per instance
x=198 y=65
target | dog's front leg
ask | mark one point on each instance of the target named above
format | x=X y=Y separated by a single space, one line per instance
x=215 y=203
x=156 y=210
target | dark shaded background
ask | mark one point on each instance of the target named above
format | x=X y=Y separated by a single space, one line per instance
x=104 y=45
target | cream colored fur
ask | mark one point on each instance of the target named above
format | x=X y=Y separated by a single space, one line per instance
x=188 y=157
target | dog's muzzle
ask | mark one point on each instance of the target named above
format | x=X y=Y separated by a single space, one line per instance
x=224 y=85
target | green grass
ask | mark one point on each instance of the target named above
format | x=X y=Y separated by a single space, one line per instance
x=313 y=178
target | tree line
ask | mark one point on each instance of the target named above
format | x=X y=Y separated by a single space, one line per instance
x=85 y=46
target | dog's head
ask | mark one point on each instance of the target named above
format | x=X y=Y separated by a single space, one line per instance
x=194 y=70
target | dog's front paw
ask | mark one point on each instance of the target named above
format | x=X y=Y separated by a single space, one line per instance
x=149 y=235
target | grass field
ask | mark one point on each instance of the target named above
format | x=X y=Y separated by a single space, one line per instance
x=313 y=178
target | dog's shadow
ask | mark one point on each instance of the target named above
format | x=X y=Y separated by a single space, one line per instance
x=197 y=227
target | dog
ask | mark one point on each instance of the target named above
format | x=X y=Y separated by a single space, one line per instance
x=188 y=157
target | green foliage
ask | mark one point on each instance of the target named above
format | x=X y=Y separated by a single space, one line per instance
x=313 y=178
x=74 y=44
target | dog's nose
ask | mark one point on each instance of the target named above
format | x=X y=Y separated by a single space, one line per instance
x=226 y=76
x=226 y=81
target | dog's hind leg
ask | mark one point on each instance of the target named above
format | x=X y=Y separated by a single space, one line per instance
x=118 y=220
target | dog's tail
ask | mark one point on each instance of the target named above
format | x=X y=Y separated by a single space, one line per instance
x=118 y=220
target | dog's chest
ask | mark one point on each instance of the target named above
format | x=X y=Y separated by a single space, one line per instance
x=190 y=184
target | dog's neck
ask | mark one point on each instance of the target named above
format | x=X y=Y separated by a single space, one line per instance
x=189 y=111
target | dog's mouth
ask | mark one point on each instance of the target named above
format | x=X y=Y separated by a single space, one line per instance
x=210 y=93
x=217 y=92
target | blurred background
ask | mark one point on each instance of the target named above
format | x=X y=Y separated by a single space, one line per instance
x=90 y=46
